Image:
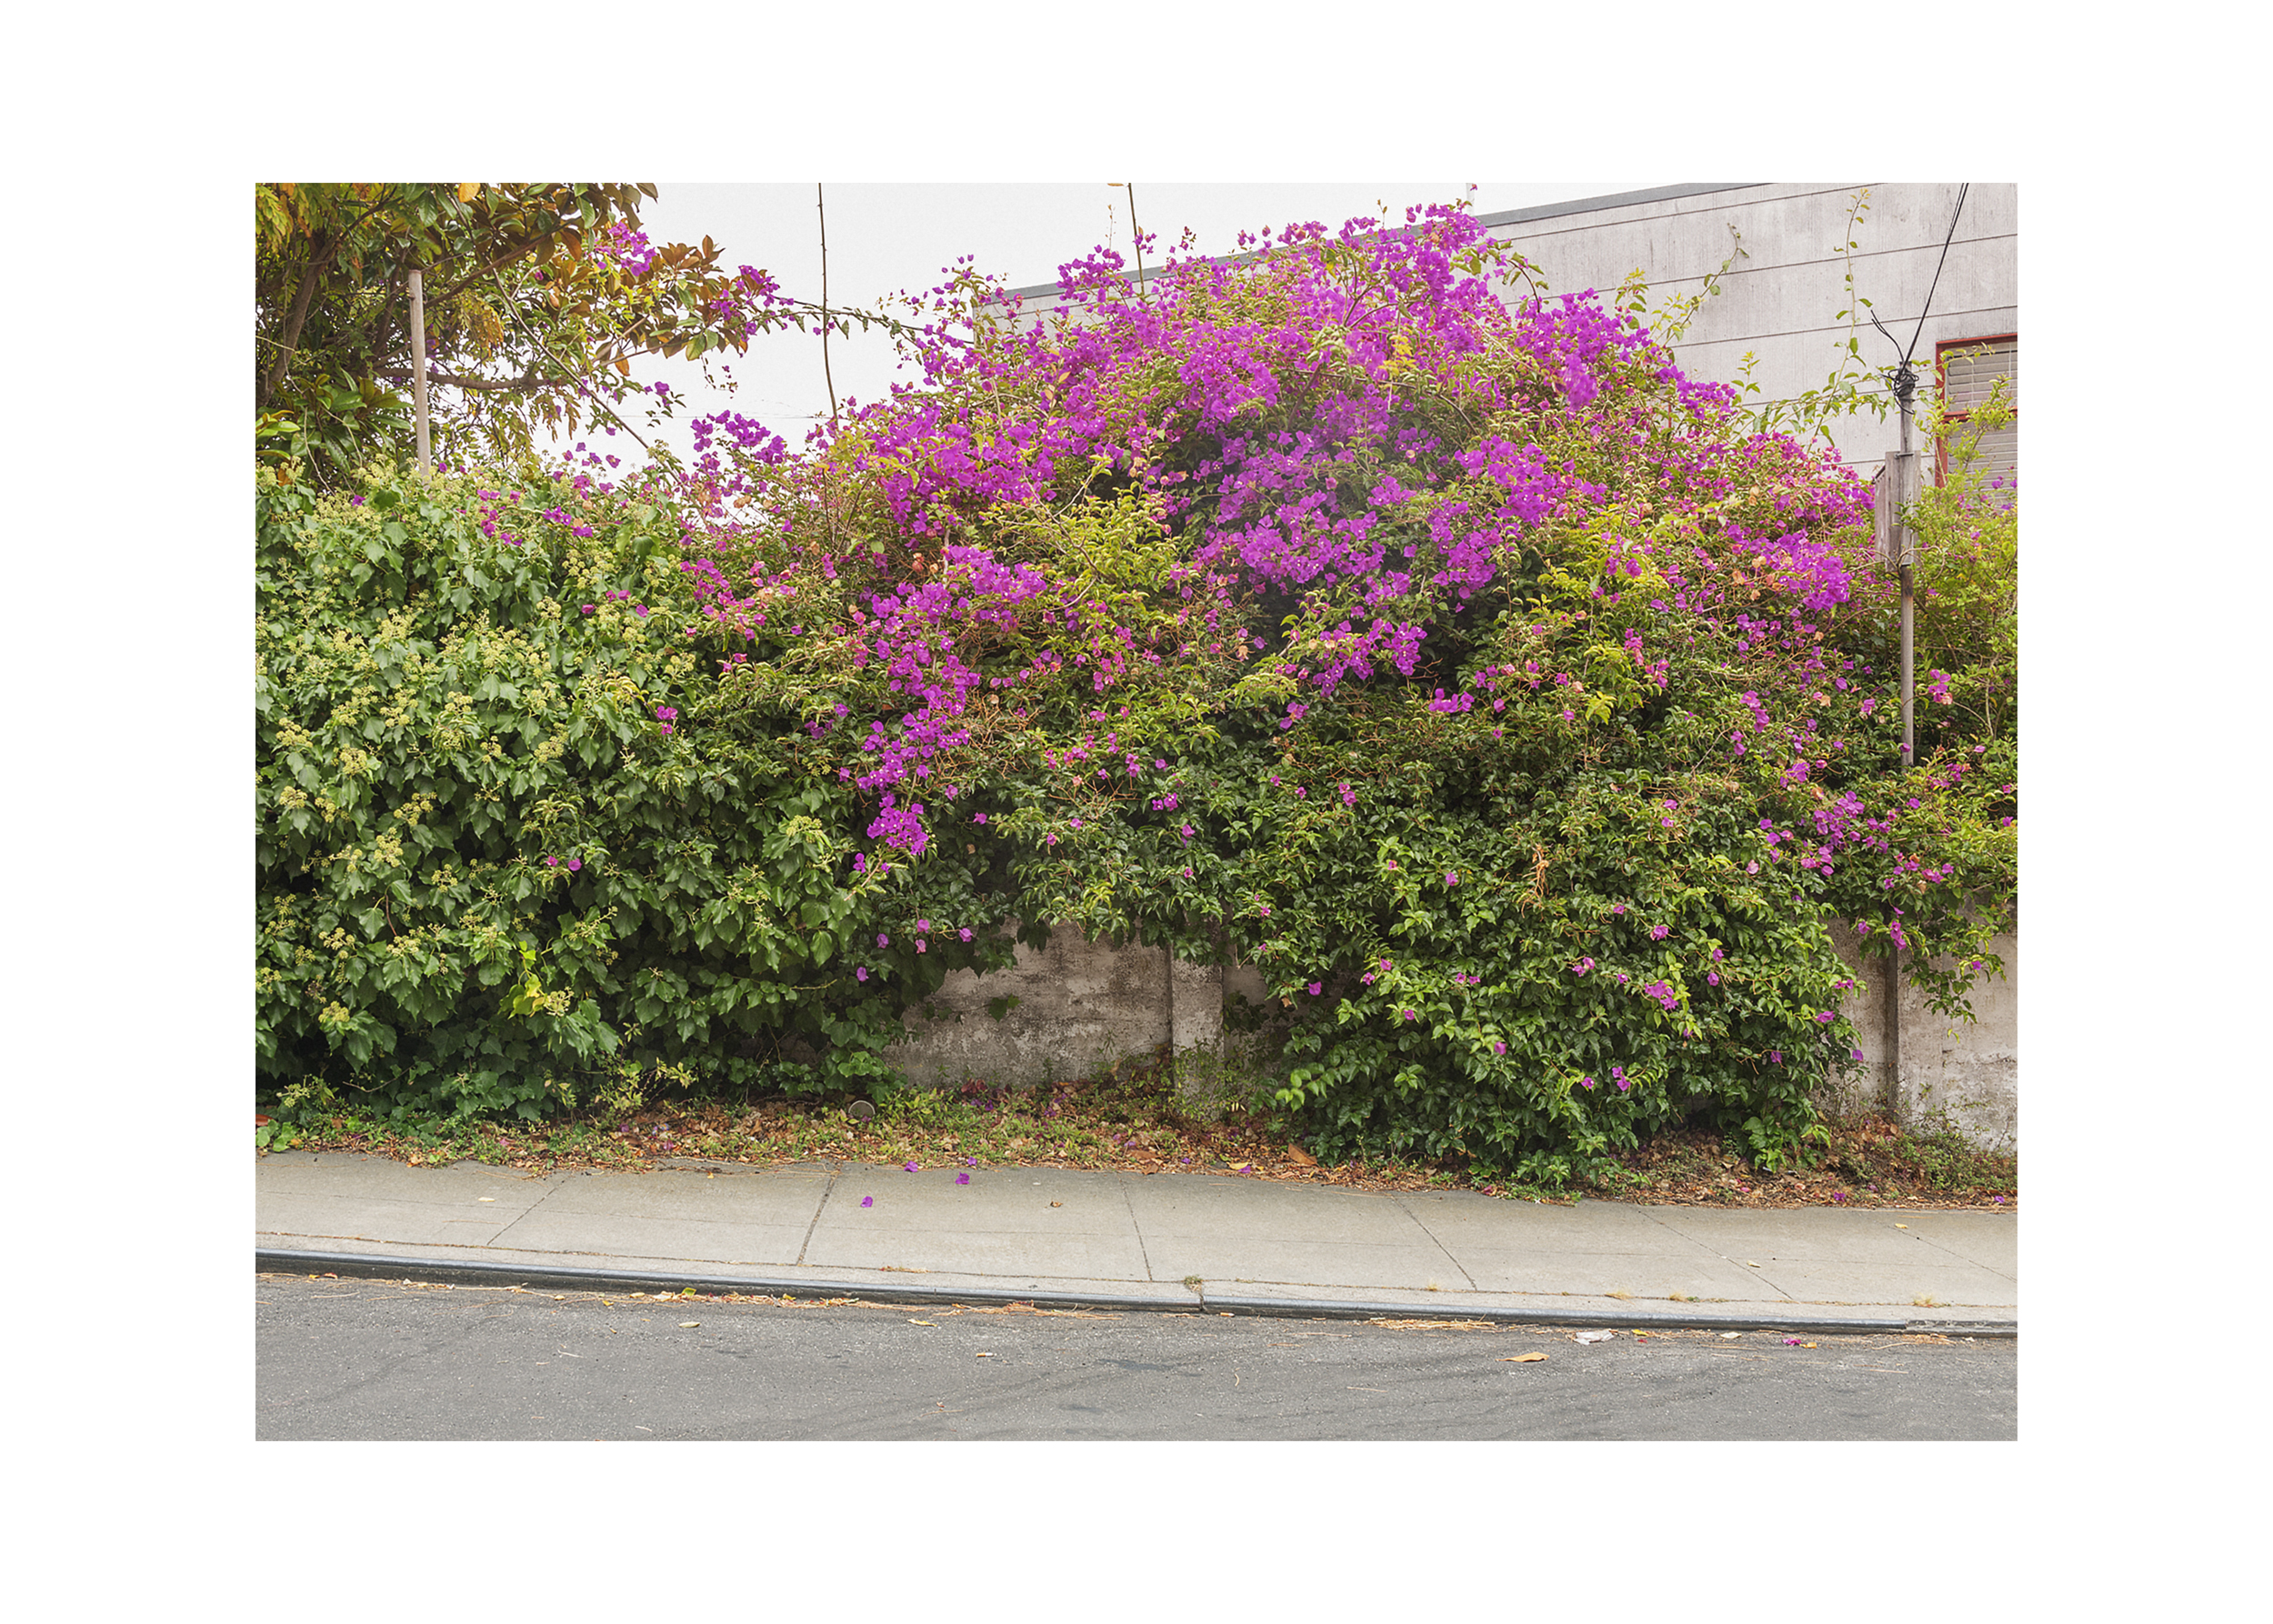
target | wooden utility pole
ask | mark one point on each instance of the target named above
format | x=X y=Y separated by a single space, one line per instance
x=821 y=204
x=418 y=367
x=1135 y=234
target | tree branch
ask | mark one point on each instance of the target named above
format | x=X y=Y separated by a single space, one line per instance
x=528 y=247
x=528 y=383
x=289 y=341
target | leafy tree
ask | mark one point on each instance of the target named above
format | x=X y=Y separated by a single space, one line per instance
x=538 y=298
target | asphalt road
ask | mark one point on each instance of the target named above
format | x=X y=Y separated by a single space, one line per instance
x=345 y=1358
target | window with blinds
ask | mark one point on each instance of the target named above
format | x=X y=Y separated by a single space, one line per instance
x=1969 y=368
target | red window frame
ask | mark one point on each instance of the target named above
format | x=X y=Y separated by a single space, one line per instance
x=1941 y=389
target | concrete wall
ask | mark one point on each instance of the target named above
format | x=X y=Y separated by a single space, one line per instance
x=1083 y=1004
x=1968 y=1071
x=1921 y=1067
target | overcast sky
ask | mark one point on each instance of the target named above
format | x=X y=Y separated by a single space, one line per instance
x=885 y=238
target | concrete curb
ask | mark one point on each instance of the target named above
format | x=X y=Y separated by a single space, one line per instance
x=370 y=1266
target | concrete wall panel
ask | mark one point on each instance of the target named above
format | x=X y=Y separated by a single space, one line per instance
x=1081 y=1004
x=1865 y=1005
x=1967 y=1074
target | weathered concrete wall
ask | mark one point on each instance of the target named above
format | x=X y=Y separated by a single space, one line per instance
x=1969 y=1072
x=1083 y=1003
x=1921 y=1067
x=1868 y=1007
x=1079 y=1002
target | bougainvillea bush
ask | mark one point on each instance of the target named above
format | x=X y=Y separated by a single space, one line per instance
x=1355 y=611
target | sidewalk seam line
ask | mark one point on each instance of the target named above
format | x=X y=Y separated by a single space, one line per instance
x=1144 y=1253
x=1724 y=1257
x=827 y=1190
x=1961 y=1258
x=1437 y=1240
x=549 y=1188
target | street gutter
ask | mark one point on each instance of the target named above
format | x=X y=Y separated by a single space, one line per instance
x=469 y=1272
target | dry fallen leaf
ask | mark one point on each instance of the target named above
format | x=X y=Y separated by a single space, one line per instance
x=688 y=1325
x=1300 y=1157
x=1523 y=1359
x=1056 y=1203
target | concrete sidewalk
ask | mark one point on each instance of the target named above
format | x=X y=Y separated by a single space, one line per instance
x=1170 y=1241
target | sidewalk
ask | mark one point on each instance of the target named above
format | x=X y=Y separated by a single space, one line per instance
x=1182 y=1241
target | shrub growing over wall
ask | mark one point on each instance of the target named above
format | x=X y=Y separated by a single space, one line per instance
x=496 y=870
x=1452 y=658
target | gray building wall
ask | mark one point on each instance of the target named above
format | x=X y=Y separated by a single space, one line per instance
x=1780 y=305
x=1780 y=302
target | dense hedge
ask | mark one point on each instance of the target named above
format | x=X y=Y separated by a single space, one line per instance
x=1460 y=664
x=495 y=873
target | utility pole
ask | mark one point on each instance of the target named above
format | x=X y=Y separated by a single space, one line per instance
x=418 y=366
x=1135 y=234
x=820 y=203
x=1905 y=551
x=1897 y=483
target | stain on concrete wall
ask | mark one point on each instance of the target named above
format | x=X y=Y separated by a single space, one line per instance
x=1872 y=1088
x=1081 y=1003
x=1967 y=1072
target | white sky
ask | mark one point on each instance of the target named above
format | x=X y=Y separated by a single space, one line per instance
x=885 y=238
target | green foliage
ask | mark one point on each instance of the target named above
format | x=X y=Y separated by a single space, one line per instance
x=513 y=851
x=1968 y=530
x=538 y=297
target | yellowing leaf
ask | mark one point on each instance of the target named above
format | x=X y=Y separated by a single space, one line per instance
x=1523 y=1359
